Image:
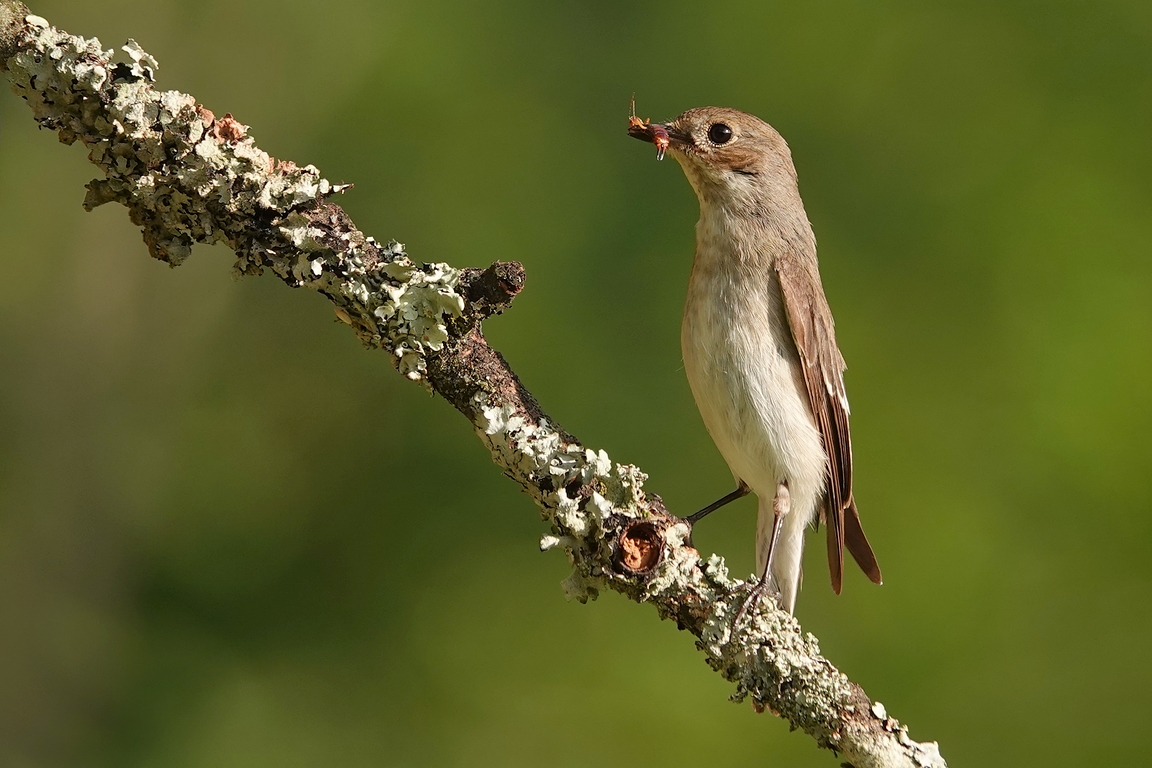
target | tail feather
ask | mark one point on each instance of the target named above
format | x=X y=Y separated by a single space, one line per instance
x=858 y=544
x=835 y=537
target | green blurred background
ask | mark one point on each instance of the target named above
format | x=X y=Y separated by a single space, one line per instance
x=229 y=536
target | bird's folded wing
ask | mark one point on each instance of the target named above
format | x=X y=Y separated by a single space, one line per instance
x=814 y=332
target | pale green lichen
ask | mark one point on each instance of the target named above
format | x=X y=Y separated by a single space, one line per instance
x=679 y=567
x=143 y=64
x=420 y=303
x=188 y=177
x=532 y=451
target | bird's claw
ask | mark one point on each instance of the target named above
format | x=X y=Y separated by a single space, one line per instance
x=764 y=587
x=691 y=530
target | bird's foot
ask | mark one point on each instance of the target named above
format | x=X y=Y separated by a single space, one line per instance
x=766 y=587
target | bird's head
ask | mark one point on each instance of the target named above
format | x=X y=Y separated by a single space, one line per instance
x=726 y=154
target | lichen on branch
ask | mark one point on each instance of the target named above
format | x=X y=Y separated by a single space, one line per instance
x=187 y=176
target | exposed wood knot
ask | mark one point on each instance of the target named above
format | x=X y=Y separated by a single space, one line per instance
x=640 y=547
x=510 y=275
x=490 y=291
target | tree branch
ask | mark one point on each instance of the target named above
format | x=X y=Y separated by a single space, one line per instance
x=187 y=176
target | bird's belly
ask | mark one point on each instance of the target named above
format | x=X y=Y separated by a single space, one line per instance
x=744 y=372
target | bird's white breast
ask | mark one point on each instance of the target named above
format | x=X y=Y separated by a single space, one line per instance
x=743 y=367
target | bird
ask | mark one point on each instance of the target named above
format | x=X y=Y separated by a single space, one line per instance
x=759 y=345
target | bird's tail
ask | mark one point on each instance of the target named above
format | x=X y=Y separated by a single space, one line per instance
x=785 y=575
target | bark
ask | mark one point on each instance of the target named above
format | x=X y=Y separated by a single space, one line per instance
x=187 y=176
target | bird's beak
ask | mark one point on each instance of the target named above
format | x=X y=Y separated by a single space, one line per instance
x=663 y=135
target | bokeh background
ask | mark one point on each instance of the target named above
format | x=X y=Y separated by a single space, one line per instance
x=229 y=536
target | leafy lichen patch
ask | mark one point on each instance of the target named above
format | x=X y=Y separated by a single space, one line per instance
x=188 y=177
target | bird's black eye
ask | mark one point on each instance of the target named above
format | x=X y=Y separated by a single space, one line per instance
x=718 y=133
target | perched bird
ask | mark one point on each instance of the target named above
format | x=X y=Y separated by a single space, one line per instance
x=759 y=344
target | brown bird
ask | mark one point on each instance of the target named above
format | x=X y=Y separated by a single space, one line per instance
x=759 y=344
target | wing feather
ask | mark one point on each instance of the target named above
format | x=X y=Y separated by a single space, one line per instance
x=814 y=332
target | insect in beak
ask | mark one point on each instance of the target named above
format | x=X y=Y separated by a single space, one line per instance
x=646 y=131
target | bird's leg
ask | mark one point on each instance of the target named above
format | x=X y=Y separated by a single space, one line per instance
x=780 y=506
x=741 y=491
